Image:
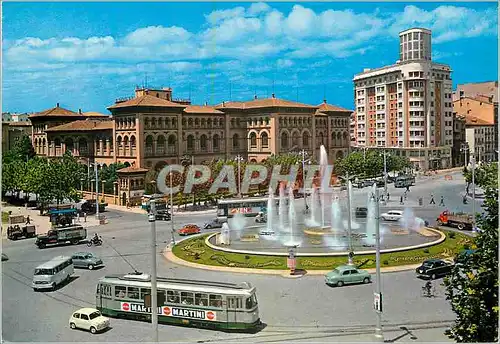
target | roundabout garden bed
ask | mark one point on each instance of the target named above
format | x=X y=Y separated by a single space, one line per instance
x=195 y=250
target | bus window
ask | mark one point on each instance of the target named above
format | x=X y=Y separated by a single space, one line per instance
x=173 y=296
x=201 y=299
x=133 y=293
x=120 y=291
x=44 y=272
x=215 y=300
x=145 y=291
x=186 y=298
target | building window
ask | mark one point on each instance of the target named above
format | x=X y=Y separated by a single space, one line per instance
x=253 y=140
x=264 y=138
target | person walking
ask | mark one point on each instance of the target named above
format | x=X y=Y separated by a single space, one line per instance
x=401 y=200
x=407 y=188
x=388 y=197
x=432 y=200
x=405 y=195
x=441 y=203
x=28 y=221
x=85 y=217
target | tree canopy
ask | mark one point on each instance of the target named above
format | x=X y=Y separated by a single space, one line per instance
x=472 y=287
x=369 y=164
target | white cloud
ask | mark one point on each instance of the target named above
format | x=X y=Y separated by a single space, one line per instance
x=219 y=15
x=258 y=7
x=284 y=63
x=301 y=21
x=156 y=34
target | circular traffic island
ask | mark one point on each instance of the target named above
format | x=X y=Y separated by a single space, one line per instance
x=203 y=251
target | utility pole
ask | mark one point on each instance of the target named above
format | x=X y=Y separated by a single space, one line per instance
x=154 y=292
x=192 y=163
x=349 y=219
x=172 y=210
x=473 y=163
x=96 y=193
x=378 y=293
x=385 y=175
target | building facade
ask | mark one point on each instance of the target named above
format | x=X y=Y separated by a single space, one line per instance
x=459 y=142
x=480 y=137
x=407 y=107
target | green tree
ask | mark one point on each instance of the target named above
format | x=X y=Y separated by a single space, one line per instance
x=472 y=287
x=110 y=175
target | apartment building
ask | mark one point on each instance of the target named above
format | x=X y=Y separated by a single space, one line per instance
x=407 y=107
x=480 y=137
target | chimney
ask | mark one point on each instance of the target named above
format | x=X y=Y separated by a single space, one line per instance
x=272 y=95
x=80 y=111
x=255 y=97
x=490 y=99
x=57 y=105
x=324 y=101
x=206 y=103
x=223 y=103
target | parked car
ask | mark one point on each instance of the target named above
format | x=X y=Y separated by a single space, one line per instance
x=163 y=215
x=215 y=223
x=4 y=257
x=86 y=260
x=392 y=215
x=89 y=319
x=361 y=212
x=347 y=274
x=189 y=229
x=434 y=268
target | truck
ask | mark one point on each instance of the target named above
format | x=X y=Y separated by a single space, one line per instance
x=89 y=206
x=18 y=229
x=70 y=234
x=460 y=220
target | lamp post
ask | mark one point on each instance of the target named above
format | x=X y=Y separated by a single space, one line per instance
x=154 y=292
x=473 y=163
x=103 y=182
x=96 y=192
x=172 y=209
x=81 y=183
x=349 y=220
x=385 y=174
x=378 y=286
x=115 y=183
x=239 y=159
x=192 y=163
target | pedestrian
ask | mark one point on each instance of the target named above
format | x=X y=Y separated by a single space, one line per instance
x=406 y=195
x=407 y=188
x=85 y=217
x=464 y=199
x=77 y=217
x=401 y=200
x=388 y=197
x=432 y=200
x=28 y=220
x=441 y=203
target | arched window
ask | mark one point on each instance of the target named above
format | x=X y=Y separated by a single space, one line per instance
x=171 y=144
x=197 y=122
x=253 y=140
x=236 y=141
x=149 y=145
x=132 y=145
x=203 y=143
x=146 y=123
x=320 y=138
x=43 y=146
x=190 y=143
x=190 y=123
x=203 y=122
x=346 y=141
x=160 y=123
x=119 y=146
x=153 y=123
x=215 y=143
x=264 y=140
x=126 y=146
x=295 y=138
x=57 y=144
x=82 y=146
x=284 y=139
x=69 y=144
x=305 y=139
x=160 y=145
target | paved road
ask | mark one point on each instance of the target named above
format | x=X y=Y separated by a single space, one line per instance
x=302 y=309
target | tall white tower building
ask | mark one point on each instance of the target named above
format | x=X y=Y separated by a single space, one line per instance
x=407 y=108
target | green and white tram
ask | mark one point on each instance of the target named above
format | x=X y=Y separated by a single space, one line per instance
x=218 y=305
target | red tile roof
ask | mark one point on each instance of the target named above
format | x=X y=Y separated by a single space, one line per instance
x=471 y=120
x=132 y=169
x=325 y=107
x=263 y=103
x=19 y=124
x=94 y=114
x=146 y=100
x=56 y=112
x=84 y=125
x=201 y=109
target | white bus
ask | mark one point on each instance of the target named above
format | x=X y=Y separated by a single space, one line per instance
x=52 y=273
x=250 y=206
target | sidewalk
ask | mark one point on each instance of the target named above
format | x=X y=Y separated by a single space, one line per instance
x=42 y=223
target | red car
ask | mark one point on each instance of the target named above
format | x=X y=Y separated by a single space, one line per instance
x=189 y=229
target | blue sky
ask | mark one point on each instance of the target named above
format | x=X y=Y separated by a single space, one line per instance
x=85 y=55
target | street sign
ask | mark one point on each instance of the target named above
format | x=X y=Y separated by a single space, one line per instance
x=377 y=302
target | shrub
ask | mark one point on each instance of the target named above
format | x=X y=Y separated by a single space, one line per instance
x=451 y=235
x=385 y=262
x=426 y=250
x=247 y=257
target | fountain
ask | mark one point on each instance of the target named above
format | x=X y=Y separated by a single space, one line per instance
x=225 y=237
x=334 y=242
x=371 y=224
x=271 y=214
x=312 y=210
x=291 y=242
x=238 y=222
x=323 y=163
x=282 y=207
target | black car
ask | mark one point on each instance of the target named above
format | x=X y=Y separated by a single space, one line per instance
x=434 y=268
x=361 y=212
x=163 y=215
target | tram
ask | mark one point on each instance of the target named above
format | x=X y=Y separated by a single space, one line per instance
x=216 y=305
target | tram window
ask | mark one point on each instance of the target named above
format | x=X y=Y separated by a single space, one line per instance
x=120 y=291
x=105 y=290
x=215 y=300
x=133 y=293
x=186 y=298
x=145 y=292
x=172 y=296
x=98 y=289
x=251 y=301
x=201 y=299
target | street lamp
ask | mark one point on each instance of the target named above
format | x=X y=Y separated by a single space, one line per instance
x=154 y=292
x=473 y=163
x=172 y=209
x=239 y=159
x=378 y=286
x=385 y=174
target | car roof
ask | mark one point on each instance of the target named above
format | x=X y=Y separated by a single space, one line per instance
x=396 y=211
x=86 y=310
x=432 y=260
x=345 y=267
x=83 y=253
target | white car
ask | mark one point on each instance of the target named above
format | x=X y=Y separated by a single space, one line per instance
x=392 y=215
x=89 y=319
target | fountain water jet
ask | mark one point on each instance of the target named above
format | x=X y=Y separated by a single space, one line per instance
x=270 y=214
x=291 y=242
x=282 y=207
x=323 y=163
x=371 y=222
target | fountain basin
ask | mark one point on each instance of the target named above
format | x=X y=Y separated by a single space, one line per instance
x=322 y=231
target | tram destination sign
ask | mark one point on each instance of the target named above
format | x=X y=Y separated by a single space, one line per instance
x=170 y=311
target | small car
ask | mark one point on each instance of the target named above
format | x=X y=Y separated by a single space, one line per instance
x=163 y=215
x=88 y=319
x=392 y=215
x=434 y=268
x=216 y=223
x=189 y=229
x=361 y=212
x=4 y=257
x=86 y=260
x=347 y=274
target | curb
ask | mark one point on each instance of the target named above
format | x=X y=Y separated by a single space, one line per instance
x=168 y=255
